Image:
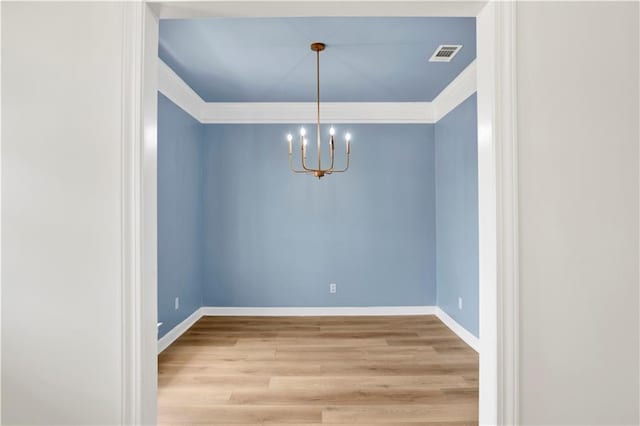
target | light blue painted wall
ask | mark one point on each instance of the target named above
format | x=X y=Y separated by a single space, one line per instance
x=277 y=239
x=180 y=213
x=456 y=159
x=236 y=228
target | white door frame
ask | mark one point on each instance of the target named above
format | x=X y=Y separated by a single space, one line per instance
x=497 y=185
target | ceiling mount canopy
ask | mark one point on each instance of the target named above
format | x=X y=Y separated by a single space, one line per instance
x=319 y=171
x=318 y=46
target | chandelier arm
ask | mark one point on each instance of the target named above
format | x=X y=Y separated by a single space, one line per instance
x=343 y=170
x=303 y=156
x=304 y=165
x=332 y=154
x=291 y=165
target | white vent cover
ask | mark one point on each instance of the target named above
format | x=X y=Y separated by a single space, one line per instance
x=445 y=52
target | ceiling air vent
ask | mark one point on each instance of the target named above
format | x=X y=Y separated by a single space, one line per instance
x=445 y=52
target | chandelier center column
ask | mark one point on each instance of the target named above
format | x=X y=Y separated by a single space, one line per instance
x=318 y=47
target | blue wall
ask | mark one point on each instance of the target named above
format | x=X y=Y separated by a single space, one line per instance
x=237 y=228
x=457 y=214
x=278 y=239
x=180 y=214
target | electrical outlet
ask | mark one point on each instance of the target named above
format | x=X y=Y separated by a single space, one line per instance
x=459 y=302
x=177 y=303
x=333 y=288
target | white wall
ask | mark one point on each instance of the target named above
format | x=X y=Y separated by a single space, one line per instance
x=578 y=173
x=61 y=213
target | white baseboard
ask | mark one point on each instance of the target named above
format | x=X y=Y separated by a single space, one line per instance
x=318 y=311
x=178 y=330
x=181 y=328
x=462 y=332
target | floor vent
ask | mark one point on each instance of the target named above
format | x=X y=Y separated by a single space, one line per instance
x=445 y=52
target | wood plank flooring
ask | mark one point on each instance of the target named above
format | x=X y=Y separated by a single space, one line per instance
x=404 y=370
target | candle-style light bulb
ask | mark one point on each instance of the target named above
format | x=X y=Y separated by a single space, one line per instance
x=290 y=139
x=347 y=137
x=302 y=131
x=332 y=132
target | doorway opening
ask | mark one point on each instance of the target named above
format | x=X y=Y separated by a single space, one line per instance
x=487 y=174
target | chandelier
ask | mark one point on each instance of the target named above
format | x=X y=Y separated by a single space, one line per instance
x=319 y=171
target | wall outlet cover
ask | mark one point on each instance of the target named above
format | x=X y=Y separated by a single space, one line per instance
x=177 y=303
x=333 y=288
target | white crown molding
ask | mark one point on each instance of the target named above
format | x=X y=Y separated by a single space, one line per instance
x=463 y=86
x=181 y=328
x=173 y=87
x=459 y=330
x=305 y=112
x=180 y=93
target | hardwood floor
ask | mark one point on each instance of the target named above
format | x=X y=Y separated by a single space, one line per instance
x=318 y=370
